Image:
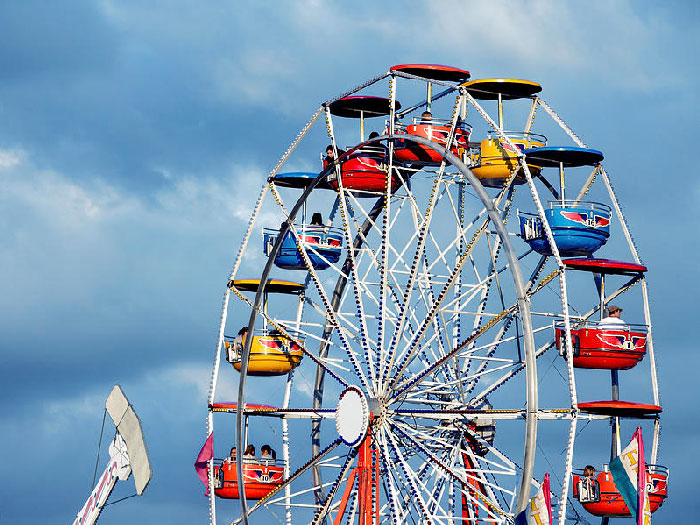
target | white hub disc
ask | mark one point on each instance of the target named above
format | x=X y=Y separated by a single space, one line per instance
x=352 y=416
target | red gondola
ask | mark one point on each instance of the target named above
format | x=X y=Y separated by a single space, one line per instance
x=436 y=131
x=260 y=477
x=365 y=170
x=615 y=349
x=601 y=497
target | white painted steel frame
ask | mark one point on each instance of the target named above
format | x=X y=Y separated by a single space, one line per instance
x=378 y=378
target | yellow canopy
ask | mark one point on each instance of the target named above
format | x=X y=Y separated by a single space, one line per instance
x=508 y=88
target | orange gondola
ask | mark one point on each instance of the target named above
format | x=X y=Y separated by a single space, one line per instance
x=600 y=496
x=260 y=476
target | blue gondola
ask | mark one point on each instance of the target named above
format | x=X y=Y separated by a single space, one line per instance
x=578 y=228
x=322 y=245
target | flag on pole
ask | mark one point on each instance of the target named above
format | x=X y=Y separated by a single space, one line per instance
x=200 y=464
x=539 y=511
x=630 y=476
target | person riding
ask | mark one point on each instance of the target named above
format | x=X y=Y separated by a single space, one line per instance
x=612 y=321
x=317 y=219
x=235 y=349
x=330 y=155
x=267 y=453
x=589 y=490
x=377 y=150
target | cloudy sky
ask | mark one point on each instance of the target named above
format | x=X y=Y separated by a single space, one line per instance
x=132 y=135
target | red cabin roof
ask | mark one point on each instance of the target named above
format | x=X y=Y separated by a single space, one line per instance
x=606 y=266
x=232 y=407
x=357 y=106
x=619 y=408
x=434 y=72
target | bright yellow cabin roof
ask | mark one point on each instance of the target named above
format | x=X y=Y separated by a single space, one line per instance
x=272 y=286
x=508 y=88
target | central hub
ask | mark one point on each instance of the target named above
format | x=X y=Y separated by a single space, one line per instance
x=352 y=416
x=378 y=406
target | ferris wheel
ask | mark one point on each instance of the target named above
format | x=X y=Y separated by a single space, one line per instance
x=417 y=332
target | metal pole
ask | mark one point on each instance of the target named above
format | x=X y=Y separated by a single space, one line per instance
x=616 y=422
x=561 y=181
x=500 y=110
x=362 y=126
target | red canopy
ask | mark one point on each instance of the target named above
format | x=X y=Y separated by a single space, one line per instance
x=607 y=266
x=434 y=72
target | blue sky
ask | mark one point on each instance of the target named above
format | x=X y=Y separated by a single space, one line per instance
x=132 y=136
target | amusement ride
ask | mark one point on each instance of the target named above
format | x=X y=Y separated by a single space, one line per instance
x=417 y=323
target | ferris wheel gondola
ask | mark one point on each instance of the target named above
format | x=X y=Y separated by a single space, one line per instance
x=421 y=317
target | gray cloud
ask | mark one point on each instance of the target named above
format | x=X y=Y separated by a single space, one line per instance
x=134 y=138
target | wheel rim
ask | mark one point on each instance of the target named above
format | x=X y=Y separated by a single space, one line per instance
x=366 y=329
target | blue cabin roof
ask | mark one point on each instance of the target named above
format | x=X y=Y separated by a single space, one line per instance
x=298 y=179
x=569 y=156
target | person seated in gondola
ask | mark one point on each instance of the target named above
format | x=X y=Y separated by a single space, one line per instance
x=236 y=348
x=589 y=472
x=435 y=134
x=317 y=219
x=612 y=320
x=330 y=155
x=377 y=151
x=588 y=489
x=232 y=456
x=268 y=454
x=249 y=451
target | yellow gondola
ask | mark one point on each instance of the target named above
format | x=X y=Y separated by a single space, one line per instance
x=497 y=160
x=272 y=353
